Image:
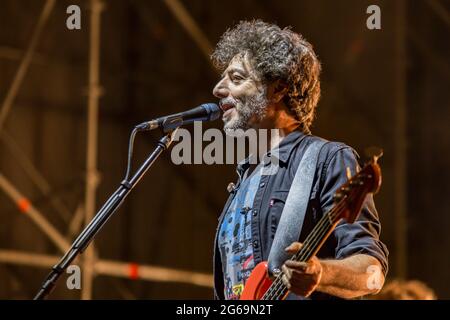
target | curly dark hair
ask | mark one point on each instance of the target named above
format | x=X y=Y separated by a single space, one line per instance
x=276 y=54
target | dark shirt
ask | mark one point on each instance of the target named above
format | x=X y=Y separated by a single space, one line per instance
x=361 y=237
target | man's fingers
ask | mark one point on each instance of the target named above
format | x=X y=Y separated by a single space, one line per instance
x=286 y=281
x=301 y=277
x=286 y=271
x=296 y=265
x=294 y=247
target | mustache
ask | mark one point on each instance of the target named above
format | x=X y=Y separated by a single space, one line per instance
x=228 y=100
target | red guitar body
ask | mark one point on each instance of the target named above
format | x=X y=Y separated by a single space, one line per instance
x=257 y=284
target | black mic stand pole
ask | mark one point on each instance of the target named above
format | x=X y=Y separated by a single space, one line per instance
x=110 y=206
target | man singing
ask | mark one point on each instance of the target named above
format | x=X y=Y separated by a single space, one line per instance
x=270 y=80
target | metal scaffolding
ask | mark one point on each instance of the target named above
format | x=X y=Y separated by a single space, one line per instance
x=92 y=175
x=91 y=264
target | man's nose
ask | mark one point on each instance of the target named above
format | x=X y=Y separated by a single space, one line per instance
x=220 y=90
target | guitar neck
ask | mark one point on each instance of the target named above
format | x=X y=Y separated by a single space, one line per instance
x=350 y=198
x=310 y=247
x=318 y=235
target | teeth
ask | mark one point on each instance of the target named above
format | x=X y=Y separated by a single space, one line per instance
x=226 y=106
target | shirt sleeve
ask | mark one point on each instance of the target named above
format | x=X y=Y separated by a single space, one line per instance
x=362 y=236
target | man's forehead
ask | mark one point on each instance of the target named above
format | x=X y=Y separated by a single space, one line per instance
x=241 y=62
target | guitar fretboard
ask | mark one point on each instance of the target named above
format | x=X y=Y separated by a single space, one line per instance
x=310 y=247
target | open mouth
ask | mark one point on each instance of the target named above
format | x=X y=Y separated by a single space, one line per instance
x=227 y=108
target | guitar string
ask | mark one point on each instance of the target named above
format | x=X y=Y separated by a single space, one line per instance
x=278 y=286
x=322 y=226
x=313 y=237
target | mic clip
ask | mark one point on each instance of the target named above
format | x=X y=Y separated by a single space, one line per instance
x=167 y=125
x=147 y=126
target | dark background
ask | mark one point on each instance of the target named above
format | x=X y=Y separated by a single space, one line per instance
x=372 y=81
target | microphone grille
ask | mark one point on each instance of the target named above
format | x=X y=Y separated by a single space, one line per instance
x=212 y=110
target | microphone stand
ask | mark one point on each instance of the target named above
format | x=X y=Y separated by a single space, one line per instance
x=110 y=206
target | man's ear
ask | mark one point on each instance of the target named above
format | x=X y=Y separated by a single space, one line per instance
x=276 y=91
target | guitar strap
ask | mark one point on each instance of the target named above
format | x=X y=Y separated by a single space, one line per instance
x=294 y=211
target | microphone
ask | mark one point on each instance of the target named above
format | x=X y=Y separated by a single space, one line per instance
x=204 y=112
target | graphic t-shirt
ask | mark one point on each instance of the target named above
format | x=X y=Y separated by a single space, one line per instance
x=235 y=238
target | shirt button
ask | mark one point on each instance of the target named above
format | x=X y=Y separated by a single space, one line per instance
x=255 y=244
x=262 y=184
x=231 y=187
x=255 y=212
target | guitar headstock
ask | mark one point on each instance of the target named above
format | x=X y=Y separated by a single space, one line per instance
x=352 y=194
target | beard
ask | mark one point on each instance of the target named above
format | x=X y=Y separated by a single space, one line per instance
x=249 y=111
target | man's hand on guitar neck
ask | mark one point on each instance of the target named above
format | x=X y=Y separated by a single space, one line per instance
x=352 y=277
x=301 y=278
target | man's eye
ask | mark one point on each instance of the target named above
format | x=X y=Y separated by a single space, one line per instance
x=237 y=78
